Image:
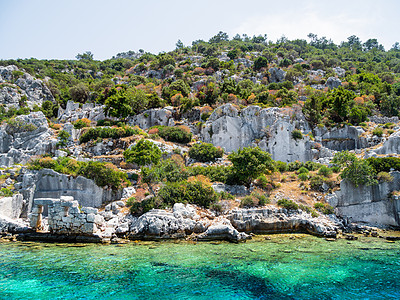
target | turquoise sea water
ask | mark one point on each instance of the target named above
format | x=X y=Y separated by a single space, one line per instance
x=285 y=267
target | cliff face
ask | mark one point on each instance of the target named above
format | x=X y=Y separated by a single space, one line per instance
x=369 y=204
x=28 y=135
x=35 y=91
x=268 y=128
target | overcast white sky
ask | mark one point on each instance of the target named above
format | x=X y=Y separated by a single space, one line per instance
x=64 y=28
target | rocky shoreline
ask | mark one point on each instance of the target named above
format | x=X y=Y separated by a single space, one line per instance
x=188 y=222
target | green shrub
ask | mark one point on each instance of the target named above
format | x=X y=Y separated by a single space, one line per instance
x=130 y=201
x=174 y=134
x=144 y=206
x=205 y=152
x=17 y=126
x=302 y=170
x=6 y=192
x=143 y=153
x=63 y=137
x=188 y=192
x=360 y=172
x=81 y=123
x=312 y=166
x=254 y=199
x=316 y=183
x=215 y=173
x=103 y=174
x=225 y=196
x=262 y=181
x=108 y=132
x=378 y=131
x=288 y=204
x=249 y=163
x=325 y=171
x=384 y=164
x=281 y=166
x=248 y=201
x=262 y=198
x=294 y=166
x=204 y=116
x=303 y=176
x=297 y=135
x=325 y=208
x=388 y=125
x=384 y=176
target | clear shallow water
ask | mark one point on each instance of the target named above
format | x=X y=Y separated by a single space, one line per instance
x=282 y=268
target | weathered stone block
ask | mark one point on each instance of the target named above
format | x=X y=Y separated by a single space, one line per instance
x=90 y=218
x=89 y=210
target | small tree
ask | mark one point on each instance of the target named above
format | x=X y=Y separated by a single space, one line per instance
x=79 y=92
x=117 y=104
x=63 y=137
x=360 y=172
x=343 y=159
x=249 y=163
x=260 y=62
x=205 y=152
x=143 y=153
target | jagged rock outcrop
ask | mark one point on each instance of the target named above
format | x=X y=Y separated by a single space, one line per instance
x=274 y=220
x=238 y=190
x=231 y=130
x=10 y=97
x=182 y=222
x=333 y=83
x=276 y=75
x=345 y=138
x=34 y=89
x=28 y=135
x=370 y=204
x=8 y=225
x=153 y=117
x=73 y=111
x=340 y=72
x=391 y=145
x=222 y=229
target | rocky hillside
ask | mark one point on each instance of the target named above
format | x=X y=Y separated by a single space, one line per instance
x=256 y=136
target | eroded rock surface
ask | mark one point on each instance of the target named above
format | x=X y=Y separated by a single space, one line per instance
x=28 y=135
x=369 y=204
x=274 y=220
x=270 y=127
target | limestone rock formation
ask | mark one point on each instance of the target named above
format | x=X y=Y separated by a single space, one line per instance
x=392 y=145
x=333 y=83
x=73 y=112
x=344 y=138
x=276 y=75
x=153 y=117
x=231 y=130
x=28 y=135
x=274 y=220
x=369 y=204
x=34 y=89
